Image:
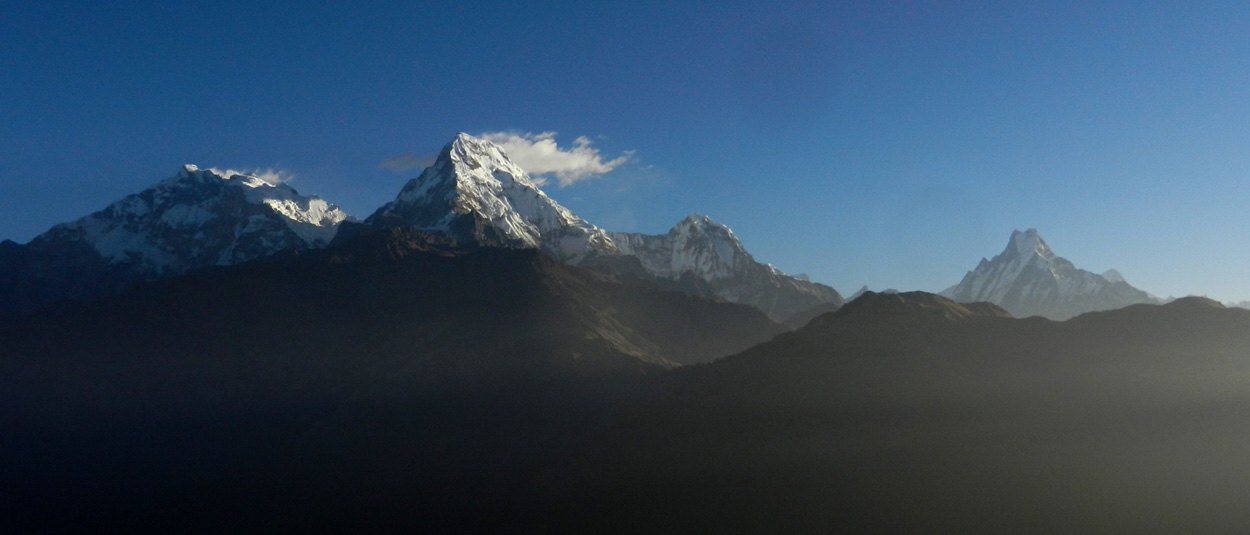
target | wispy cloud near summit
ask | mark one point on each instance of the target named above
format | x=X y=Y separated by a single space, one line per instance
x=272 y=176
x=539 y=155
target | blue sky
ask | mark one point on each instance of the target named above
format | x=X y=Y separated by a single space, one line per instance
x=891 y=144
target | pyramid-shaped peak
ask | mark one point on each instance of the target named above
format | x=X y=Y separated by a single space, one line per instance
x=476 y=194
x=1028 y=279
x=466 y=154
x=1029 y=242
x=466 y=144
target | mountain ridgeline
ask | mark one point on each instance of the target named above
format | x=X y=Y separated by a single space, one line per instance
x=399 y=311
x=308 y=405
x=473 y=193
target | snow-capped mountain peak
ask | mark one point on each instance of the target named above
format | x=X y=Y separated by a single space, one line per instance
x=308 y=216
x=696 y=244
x=201 y=217
x=196 y=219
x=197 y=196
x=701 y=248
x=475 y=192
x=697 y=222
x=1028 y=279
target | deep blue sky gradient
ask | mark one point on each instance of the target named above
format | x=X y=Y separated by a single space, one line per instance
x=891 y=144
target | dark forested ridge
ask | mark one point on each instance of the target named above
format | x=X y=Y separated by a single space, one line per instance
x=392 y=313
x=899 y=413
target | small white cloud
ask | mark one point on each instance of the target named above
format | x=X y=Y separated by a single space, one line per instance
x=273 y=176
x=407 y=162
x=541 y=157
x=270 y=176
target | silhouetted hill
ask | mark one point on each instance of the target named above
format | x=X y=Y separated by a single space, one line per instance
x=912 y=413
x=800 y=319
x=904 y=413
x=383 y=316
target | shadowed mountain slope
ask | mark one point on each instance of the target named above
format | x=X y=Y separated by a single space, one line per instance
x=895 y=414
x=385 y=315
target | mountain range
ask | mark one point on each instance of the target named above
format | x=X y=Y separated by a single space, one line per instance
x=218 y=353
x=473 y=193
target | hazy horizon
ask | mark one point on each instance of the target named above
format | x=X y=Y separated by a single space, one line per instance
x=861 y=145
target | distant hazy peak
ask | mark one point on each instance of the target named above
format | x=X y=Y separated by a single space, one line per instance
x=858 y=293
x=1028 y=279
